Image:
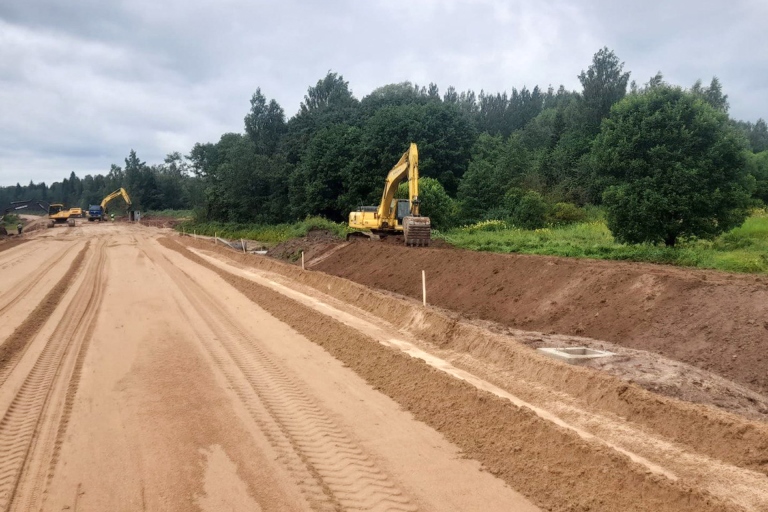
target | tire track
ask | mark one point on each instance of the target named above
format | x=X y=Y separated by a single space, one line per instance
x=9 y=299
x=36 y=419
x=550 y=465
x=10 y=244
x=347 y=476
x=16 y=344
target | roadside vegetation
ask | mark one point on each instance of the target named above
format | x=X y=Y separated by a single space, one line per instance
x=10 y=220
x=266 y=234
x=619 y=169
x=742 y=249
x=171 y=214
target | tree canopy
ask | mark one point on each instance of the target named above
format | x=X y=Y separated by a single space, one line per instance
x=674 y=166
x=526 y=155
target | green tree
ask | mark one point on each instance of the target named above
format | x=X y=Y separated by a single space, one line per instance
x=265 y=124
x=330 y=180
x=675 y=166
x=757 y=165
x=444 y=134
x=713 y=94
x=604 y=83
x=434 y=202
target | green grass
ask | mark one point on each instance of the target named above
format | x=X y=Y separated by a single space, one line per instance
x=173 y=214
x=11 y=220
x=270 y=235
x=743 y=249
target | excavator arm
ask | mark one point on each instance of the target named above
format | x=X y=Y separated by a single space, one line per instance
x=117 y=193
x=406 y=167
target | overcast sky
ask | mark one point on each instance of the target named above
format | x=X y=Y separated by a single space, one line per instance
x=82 y=82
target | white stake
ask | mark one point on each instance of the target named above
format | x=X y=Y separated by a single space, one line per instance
x=424 y=287
x=214 y=238
x=302 y=260
x=182 y=231
x=194 y=235
x=242 y=242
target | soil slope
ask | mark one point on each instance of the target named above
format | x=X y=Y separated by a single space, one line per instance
x=713 y=320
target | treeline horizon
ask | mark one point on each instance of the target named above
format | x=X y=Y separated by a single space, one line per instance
x=480 y=153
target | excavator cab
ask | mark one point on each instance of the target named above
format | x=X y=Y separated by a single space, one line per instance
x=403 y=210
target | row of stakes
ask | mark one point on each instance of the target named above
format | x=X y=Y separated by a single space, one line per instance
x=242 y=244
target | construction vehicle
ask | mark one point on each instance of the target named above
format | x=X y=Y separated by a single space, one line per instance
x=99 y=211
x=396 y=216
x=57 y=214
x=20 y=205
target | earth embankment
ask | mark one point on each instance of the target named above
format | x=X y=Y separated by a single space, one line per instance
x=712 y=320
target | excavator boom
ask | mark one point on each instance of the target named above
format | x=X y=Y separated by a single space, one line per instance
x=117 y=193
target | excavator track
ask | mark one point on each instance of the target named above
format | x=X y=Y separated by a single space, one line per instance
x=417 y=231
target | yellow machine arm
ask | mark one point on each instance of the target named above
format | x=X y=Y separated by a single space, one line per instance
x=406 y=167
x=119 y=192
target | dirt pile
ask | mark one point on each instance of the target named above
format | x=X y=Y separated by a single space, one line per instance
x=159 y=222
x=712 y=320
x=317 y=242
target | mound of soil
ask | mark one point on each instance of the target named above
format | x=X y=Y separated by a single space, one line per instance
x=317 y=242
x=712 y=320
x=159 y=222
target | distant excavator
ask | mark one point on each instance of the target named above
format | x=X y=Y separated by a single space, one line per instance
x=20 y=205
x=394 y=216
x=99 y=211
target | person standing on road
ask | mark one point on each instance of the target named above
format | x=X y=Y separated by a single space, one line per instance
x=19 y=227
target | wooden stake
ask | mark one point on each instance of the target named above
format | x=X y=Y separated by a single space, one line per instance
x=302 y=260
x=242 y=242
x=214 y=238
x=424 y=287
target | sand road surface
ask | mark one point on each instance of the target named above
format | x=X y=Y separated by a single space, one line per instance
x=140 y=370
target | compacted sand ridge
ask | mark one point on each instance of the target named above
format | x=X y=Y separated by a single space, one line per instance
x=141 y=370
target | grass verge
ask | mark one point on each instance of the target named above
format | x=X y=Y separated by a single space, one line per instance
x=743 y=249
x=270 y=235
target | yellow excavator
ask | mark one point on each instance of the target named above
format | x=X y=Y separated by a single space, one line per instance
x=57 y=214
x=394 y=216
x=99 y=211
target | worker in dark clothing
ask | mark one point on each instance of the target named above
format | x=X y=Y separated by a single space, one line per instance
x=19 y=227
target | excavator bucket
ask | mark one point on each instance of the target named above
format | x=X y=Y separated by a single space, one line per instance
x=417 y=230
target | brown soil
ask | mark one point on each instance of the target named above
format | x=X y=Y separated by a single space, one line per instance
x=498 y=355
x=159 y=222
x=549 y=466
x=711 y=320
x=317 y=242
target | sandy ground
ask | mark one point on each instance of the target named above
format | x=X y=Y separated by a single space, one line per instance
x=722 y=454
x=141 y=370
x=141 y=380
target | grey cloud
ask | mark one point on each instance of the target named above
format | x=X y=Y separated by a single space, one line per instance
x=82 y=82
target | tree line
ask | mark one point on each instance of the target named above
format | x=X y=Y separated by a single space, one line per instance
x=529 y=155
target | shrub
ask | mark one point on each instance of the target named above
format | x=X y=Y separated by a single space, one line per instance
x=566 y=213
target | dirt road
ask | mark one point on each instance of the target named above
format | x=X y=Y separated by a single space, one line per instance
x=144 y=371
